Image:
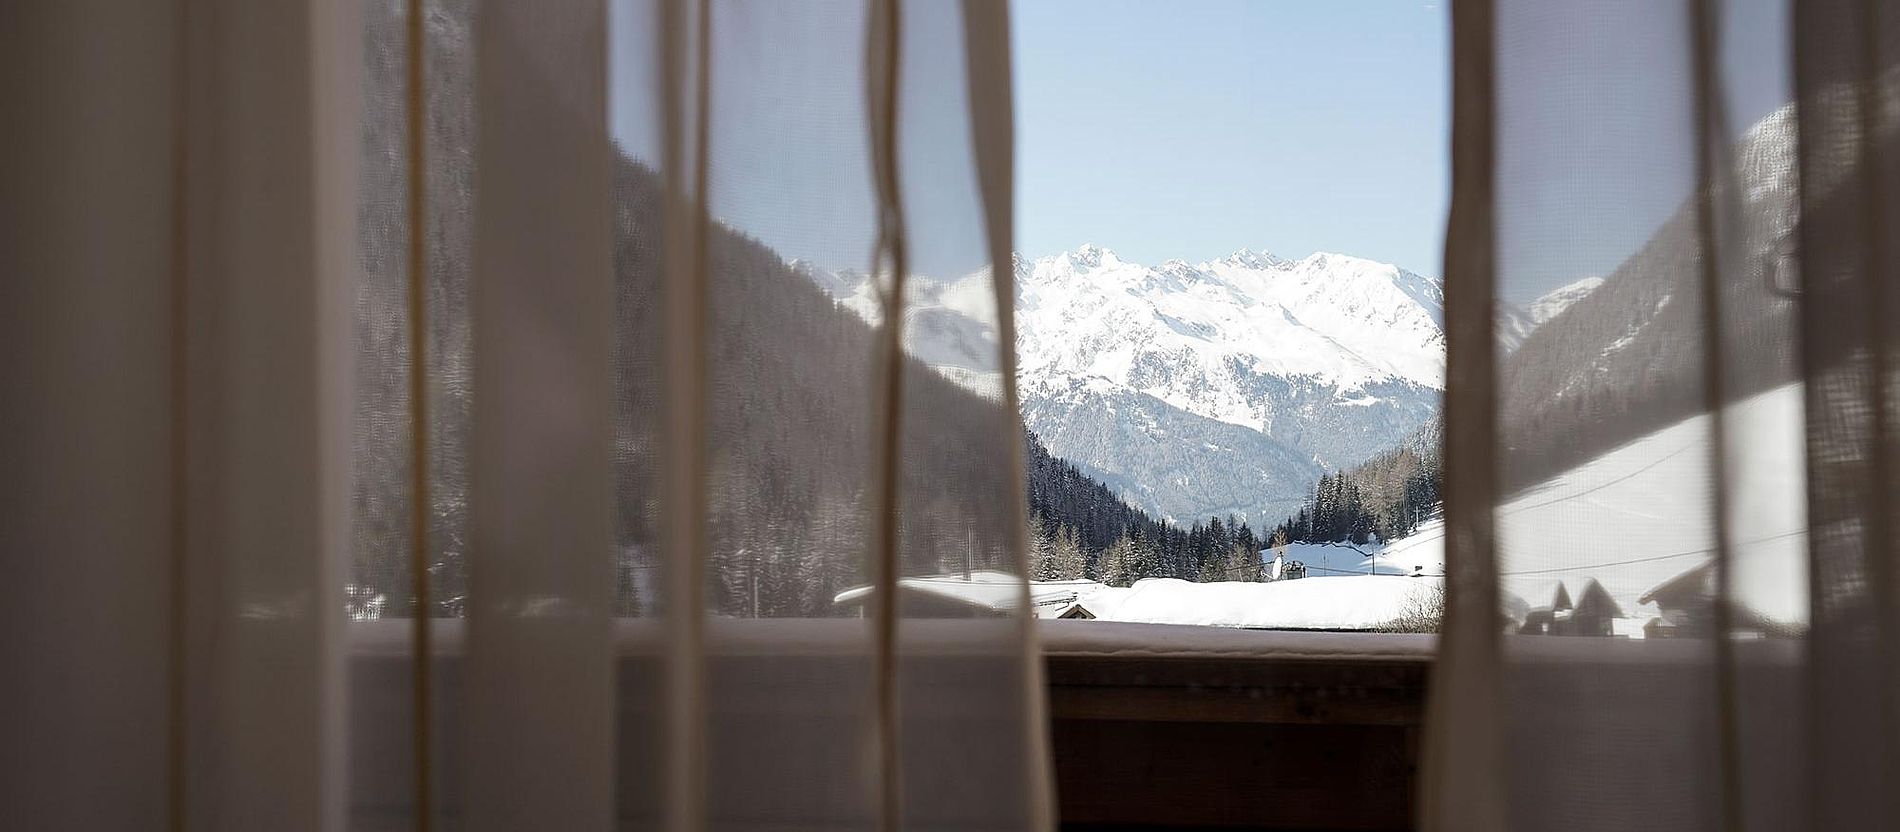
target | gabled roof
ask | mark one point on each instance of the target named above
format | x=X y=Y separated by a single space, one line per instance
x=1696 y=580
x=1596 y=600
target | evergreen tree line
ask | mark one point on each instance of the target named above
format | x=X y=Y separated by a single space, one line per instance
x=1206 y=552
x=1386 y=497
x=1078 y=528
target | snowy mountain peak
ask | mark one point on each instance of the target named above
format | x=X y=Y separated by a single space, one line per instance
x=1199 y=389
x=839 y=284
x=1554 y=302
x=1091 y=256
x=1250 y=259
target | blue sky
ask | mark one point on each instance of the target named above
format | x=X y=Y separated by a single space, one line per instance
x=1189 y=130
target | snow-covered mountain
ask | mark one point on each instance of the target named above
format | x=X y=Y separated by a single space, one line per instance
x=948 y=324
x=1514 y=324
x=1196 y=389
x=1226 y=386
x=1511 y=325
x=1557 y=300
x=1208 y=388
x=1627 y=356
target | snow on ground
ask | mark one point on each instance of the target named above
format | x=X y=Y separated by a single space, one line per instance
x=1362 y=603
x=1630 y=519
x=1420 y=549
x=988 y=589
x=1639 y=515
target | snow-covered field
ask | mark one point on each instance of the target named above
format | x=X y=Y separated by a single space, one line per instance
x=1365 y=603
x=1640 y=515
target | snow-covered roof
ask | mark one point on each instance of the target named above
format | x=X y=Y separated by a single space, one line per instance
x=1363 y=602
x=987 y=589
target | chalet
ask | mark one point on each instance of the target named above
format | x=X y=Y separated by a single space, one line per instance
x=1546 y=608
x=1686 y=606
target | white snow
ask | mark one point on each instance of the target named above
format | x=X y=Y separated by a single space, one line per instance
x=1554 y=302
x=1639 y=515
x=1268 y=344
x=1363 y=603
x=988 y=589
x=1178 y=331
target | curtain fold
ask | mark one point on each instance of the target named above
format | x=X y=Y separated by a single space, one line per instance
x=180 y=454
x=1459 y=789
x=538 y=701
x=457 y=414
x=1693 y=460
x=1846 y=54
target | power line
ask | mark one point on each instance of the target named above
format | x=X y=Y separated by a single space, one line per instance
x=1605 y=484
x=1646 y=559
x=1440 y=532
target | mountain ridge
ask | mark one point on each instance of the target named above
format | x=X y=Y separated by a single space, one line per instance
x=1220 y=387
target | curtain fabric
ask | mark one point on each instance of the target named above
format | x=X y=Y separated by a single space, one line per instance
x=1702 y=445
x=179 y=265
x=453 y=414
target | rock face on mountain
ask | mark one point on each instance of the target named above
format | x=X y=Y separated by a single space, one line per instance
x=1224 y=387
x=1227 y=386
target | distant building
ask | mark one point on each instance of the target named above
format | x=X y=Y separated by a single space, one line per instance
x=1687 y=606
x=1685 y=603
x=1548 y=610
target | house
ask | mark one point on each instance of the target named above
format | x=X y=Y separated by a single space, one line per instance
x=1546 y=608
x=1684 y=603
x=1686 y=606
x=980 y=593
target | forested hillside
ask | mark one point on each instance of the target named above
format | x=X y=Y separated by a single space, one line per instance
x=1627 y=359
x=1387 y=496
x=1079 y=528
x=1620 y=358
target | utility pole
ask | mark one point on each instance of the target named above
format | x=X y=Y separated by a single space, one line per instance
x=966 y=554
x=752 y=574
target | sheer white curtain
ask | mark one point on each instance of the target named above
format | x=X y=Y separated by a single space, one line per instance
x=475 y=414
x=1702 y=447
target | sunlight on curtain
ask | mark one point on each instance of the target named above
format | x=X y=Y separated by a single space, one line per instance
x=1692 y=457
x=479 y=414
x=747 y=393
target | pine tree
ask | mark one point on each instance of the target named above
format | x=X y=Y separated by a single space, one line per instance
x=1042 y=566
x=1243 y=564
x=1213 y=570
x=1116 y=565
x=1145 y=562
x=1068 y=561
